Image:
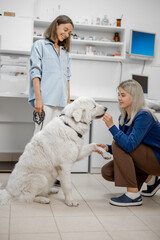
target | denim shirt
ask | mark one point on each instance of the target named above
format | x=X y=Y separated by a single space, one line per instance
x=53 y=70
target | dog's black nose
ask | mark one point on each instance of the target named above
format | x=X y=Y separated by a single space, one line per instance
x=105 y=109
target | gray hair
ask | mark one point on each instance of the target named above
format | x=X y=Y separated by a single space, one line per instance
x=138 y=101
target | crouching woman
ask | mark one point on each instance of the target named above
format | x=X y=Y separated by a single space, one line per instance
x=136 y=145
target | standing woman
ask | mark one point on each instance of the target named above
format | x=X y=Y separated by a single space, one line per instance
x=136 y=145
x=50 y=70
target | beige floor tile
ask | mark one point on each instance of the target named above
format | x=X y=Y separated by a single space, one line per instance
x=78 y=224
x=4 y=225
x=156 y=197
x=103 y=208
x=90 y=196
x=147 y=209
x=4 y=236
x=86 y=236
x=82 y=178
x=28 y=210
x=133 y=235
x=122 y=223
x=33 y=225
x=100 y=179
x=157 y=232
x=42 y=236
x=148 y=201
x=4 y=211
x=82 y=181
x=94 y=219
x=64 y=210
x=59 y=197
x=4 y=177
x=90 y=182
x=109 y=185
x=153 y=222
x=92 y=189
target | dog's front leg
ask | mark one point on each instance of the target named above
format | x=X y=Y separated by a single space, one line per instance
x=87 y=150
x=65 y=178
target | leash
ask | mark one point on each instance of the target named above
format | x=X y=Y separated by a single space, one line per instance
x=39 y=117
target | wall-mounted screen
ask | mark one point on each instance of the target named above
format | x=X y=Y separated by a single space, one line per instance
x=143 y=81
x=142 y=45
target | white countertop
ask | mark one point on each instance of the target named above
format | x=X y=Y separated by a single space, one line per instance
x=99 y=99
x=24 y=95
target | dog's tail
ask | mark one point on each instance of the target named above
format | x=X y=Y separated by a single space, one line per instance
x=5 y=197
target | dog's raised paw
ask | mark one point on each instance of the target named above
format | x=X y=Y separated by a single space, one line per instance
x=105 y=154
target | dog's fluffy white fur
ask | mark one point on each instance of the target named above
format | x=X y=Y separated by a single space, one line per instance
x=52 y=152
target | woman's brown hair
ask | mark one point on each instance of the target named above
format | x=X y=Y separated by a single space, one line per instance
x=51 y=33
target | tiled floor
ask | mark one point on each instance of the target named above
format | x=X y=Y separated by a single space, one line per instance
x=93 y=219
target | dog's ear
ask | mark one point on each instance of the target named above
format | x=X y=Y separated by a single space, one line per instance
x=77 y=115
x=86 y=116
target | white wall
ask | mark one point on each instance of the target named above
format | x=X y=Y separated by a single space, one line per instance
x=100 y=79
x=94 y=78
x=21 y=8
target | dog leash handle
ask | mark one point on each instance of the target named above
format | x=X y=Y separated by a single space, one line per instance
x=39 y=117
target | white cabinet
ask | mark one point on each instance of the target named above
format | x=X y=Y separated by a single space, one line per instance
x=91 y=42
x=16 y=33
x=16 y=130
x=16 y=38
x=101 y=134
x=16 y=124
x=14 y=73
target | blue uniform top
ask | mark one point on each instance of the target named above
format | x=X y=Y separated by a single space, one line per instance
x=144 y=129
x=53 y=71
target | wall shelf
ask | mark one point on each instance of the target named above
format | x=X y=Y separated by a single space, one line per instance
x=14 y=52
x=103 y=45
x=44 y=24
x=96 y=57
x=98 y=43
x=14 y=95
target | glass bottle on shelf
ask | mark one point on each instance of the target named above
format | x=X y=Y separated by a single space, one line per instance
x=105 y=20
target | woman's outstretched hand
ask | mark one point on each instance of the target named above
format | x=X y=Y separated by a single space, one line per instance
x=105 y=147
x=103 y=150
x=107 y=118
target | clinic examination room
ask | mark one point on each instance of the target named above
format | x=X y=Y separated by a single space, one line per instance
x=79 y=120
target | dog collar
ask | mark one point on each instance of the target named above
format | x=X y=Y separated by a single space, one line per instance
x=79 y=135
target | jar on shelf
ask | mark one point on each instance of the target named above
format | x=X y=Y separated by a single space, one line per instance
x=116 y=37
x=118 y=22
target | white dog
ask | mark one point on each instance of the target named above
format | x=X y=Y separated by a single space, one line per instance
x=52 y=152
